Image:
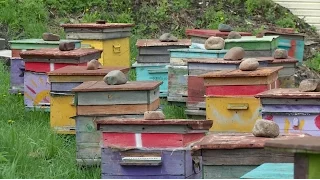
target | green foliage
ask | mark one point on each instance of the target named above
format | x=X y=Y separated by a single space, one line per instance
x=257 y=6
x=286 y=22
x=214 y=18
x=314 y=63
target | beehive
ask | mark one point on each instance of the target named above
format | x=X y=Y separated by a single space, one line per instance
x=292 y=110
x=111 y=38
x=36 y=84
x=230 y=100
x=62 y=81
x=96 y=100
x=16 y=75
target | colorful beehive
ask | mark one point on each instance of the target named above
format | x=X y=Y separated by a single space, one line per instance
x=39 y=62
x=153 y=72
x=231 y=155
x=201 y=35
x=306 y=155
x=178 y=71
x=155 y=51
x=196 y=90
x=17 y=63
x=285 y=75
x=271 y=171
x=62 y=81
x=292 y=110
x=254 y=47
x=112 y=38
x=96 y=99
x=293 y=42
x=157 y=148
x=230 y=101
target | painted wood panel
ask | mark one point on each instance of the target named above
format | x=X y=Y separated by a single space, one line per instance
x=149 y=140
x=153 y=72
x=238 y=90
x=271 y=171
x=63 y=87
x=30 y=44
x=178 y=81
x=172 y=163
x=17 y=69
x=232 y=114
x=117 y=97
x=62 y=110
x=195 y=53
x=36 y=89
x=43 y=67
x=196 y=92
x=225 y=172
x=116 y=52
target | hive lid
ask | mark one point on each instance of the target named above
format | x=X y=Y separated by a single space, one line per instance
x=41 y=41
x=308 y=144
x=98 y=26
x=282 y=33
x=192 y=50
x=192 y=124
x=98 y=86
x=157 y=42
x=288 y=93
x=55 y=53
x=206 y=33
x=260 y=72
x=238 y=140
x=222 y=61
x=252 y=39
x=82 y=70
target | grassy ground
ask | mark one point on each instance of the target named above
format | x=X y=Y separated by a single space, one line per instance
x=30 y=149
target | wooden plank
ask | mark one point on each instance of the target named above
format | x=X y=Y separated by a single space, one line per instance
x=157 y=42
x=177 y=81
x=173 y=163
x=271 y=171
x=235 y=157
x=159 y=50
x=97 y=26
x=88 y=151
x=63 y=87
x=47 y=67
x=196 y=90
x=301 y=166
x=88 y=137
x=97 y=30
x=88 y=162
x=237 y=90
x=117 y=109
x=82 y=71
x=98 y=36
x=291 y=108
x=55 y=53
x=92 y=86
x=288 y=93
x=206 y=33
x=292 y=101
x=30 y=44
x=117 y=97
x=153 y=59
x=225 y=172
x=16 y=74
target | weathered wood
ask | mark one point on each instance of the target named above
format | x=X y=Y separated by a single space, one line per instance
x=30 y=44
x=118 y=109
x=177 y=81
x=63 y=87
x=88 y=162
x=292 y=108
x=157 y=43
x=292 y=101
x=301 y=166
x=117 y=97
x=225 y=172
x=88 y=137
x=206 y=33
x=16 y=75
x=196 y=53
x=97 y=36
x=271 y=171
x=308 y=144
x=177 y=99
x=237 y=90
x=288 y=93
x=90 y=150
x=153 y=58
x=253 y=43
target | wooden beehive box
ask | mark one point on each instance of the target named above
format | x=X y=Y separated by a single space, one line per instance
x=292 y=42
x=196 y=89
x=16 y=75
x=18 y=46
x=111 y=38
x=286 y=78
x=230 y=100
x=36 y=85
x=62 y=81
x=231 y=155
x=153 y=72
x=155 y=51
x=292 y=110
x=96 y=99
x=260 y=47
x=163 y=142
x=201 y=35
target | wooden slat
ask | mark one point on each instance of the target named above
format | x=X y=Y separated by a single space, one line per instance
x=92 y=86
x=157 y=42
x=55 y=53
x=82 y=70
x=288 y=93
x=98 y=26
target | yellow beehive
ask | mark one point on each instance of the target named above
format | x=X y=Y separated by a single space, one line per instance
x=111 y=38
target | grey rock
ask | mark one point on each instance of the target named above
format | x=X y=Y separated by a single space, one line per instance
x=154 y=115
x=50 y=37
x=225 y=28
x=249 y=64
x=309 y=85
x=214 y=43
x=94 y=64
x=67 y=46
x=234 y=54
x=234 y=35
x=266 y=128
x=280 y=54
x=115 y=77
x=260 y=35
x=168 y=37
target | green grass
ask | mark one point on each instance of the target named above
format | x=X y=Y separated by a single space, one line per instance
x=314 y=63
x=30 y=149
